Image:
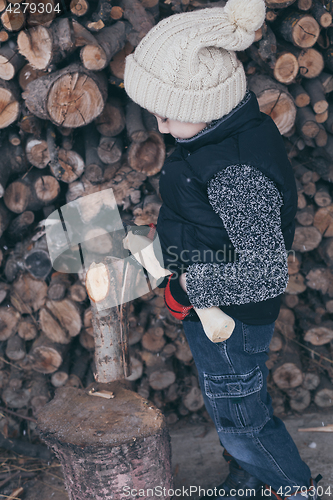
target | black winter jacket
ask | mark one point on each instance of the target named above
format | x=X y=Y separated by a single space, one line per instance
x=227 y=218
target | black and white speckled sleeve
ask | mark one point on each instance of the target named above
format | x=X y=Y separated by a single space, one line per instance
x=248 y=203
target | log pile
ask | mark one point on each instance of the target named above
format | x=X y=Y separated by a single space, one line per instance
x=68 y=130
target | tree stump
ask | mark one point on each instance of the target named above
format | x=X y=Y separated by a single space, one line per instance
x=108 y=447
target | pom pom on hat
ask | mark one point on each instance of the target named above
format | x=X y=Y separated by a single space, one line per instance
x=248 y=15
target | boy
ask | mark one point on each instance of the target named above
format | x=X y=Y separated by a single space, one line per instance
x=225 y=226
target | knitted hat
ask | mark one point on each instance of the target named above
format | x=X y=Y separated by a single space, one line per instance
x=186 y=69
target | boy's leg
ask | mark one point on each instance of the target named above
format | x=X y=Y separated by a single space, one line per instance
x=232 y=376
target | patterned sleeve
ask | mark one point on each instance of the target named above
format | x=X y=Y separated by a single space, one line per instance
x=248 y=203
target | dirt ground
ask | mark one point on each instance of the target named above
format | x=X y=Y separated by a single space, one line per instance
x=197 y=458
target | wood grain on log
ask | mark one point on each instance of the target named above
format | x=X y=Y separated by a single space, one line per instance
x=85 y=90
x=111 y=40
x=274 y=100
x=107 y=434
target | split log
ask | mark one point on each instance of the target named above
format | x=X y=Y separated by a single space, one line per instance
x=79 y=7
x=77 y=292
x=300 y=96
x=153 y=340
x=193 y=400
x=311 y=380
x=286 y=67
x=146 y=212
x=321 y=138
x=117 y=63
x=60 y=377
x=274 y=100
x=311 y=63
x=306 y=239
x=13 y=19
x=277 y=342
x=5 y=217
x=46 y=356
x=306 y=122
x=323 y=220
x=9 y=318
x=136 y=369
x=300 y=29
x=60 y=320
x=287 y=372
x=28 y=73
x=321 y=14
x=111 y=40
x=300 y=398
x=86 y=94
x=305 y=217
x=19 y=226
x=43 y=15
x=4 y=291
x=141 y=20
x=15 y=349
x=86 y=340
x=320 y=278
x=304 y=4
x=27 y=328
x=94 y=166
x=324 y=394
x=10 y=60
x=285 y=323
x=319 y=335
x=82 y=35
x=322 y=197
x=325 y=251
x=111 y=121
x=105 y=437
x=316 y=92
x=110 y=150
x=183 y=351
x=32 y=192
x=58 y=286
x=58 y=43
x=10 y=107
x=29 y=123
x=28 y=294
x=161 y=378
x=37 y=152
x=136 y=131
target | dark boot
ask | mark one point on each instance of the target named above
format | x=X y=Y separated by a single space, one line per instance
x=237 y=479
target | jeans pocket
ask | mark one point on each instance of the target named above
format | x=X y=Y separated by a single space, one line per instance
x=235 y=400
x=256 y=338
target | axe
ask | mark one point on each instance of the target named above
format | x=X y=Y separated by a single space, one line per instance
x=217 y=325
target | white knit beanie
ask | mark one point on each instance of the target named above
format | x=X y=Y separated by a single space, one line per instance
x=186 y=69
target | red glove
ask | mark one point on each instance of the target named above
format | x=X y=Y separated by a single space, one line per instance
x=176 y=299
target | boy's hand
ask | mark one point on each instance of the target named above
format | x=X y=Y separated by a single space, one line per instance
x=176 y=298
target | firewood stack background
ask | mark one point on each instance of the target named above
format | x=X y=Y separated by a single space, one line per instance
x=69 y=130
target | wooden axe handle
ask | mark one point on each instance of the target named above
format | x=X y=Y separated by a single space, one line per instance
x=217 y=325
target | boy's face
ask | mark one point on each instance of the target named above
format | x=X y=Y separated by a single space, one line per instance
x=178 y=130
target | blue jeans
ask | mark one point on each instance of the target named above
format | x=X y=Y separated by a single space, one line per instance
x=233 y=381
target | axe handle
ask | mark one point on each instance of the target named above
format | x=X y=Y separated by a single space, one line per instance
x=217 y=325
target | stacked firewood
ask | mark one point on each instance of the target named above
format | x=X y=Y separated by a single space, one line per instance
x=68 y=130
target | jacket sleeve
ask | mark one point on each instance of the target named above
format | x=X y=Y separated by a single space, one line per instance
x=248 y=203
